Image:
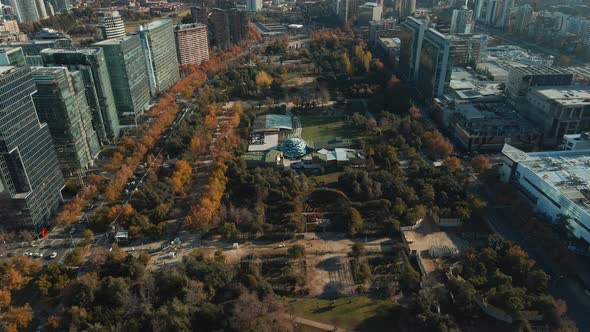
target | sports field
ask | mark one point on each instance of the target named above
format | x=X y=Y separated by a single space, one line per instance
x=324 y=128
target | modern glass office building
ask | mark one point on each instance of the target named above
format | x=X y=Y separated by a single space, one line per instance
x=159 y=46
x=61 y=103
x=129 y=79
x=436 y=65
x=91 y=63
x=30 y=179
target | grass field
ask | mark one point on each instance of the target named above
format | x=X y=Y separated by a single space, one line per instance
x=359 y=313
x=327 y=179
x=323 y=128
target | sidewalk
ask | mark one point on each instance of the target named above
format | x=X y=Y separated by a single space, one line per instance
x=316 y=324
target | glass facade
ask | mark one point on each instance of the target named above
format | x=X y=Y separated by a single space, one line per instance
x=30 y=179
x=436 y=65
x=159 y=46
x=61 y=103
x=128 y=73
x=92 y=65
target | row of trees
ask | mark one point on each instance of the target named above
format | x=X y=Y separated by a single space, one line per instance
x=201 y=214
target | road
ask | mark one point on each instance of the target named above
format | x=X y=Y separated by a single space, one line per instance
x=316 y=324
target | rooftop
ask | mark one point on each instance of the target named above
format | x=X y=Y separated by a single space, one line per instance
x=190 y=26
x=390 y=42
x=154 y=24
x=113 y=41
x=6 y=69
x=566 y=171
x=86 y=51
x=565 y=95
x=541 y=70
x=273 y=122
x=487 y=119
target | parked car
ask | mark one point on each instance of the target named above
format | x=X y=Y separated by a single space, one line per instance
x=53 y=255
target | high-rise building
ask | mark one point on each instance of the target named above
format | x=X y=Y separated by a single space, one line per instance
x=61 y=103
x=229 y=26
x=238 y=21
x=520 y=19
x=468 y=49
x=406 y=8
x=192 y=45
x=61 y=5
x=30 y=179
x=436 y=64
x=92 y=64
x=128 y=73
x=159 y=48
x=503 y=19
x=41 y=9
x=25 y=10
x=369 y=11
x=349 y=9
x=50 y=9
x=111 y=25
x=411 y=46
x=579 y=27
x=462 y=21
x=254 y=5
x=12 y=56
x=199 y=15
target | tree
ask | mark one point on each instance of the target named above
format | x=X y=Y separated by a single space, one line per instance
x=87 y=235
x=297 y=251
x=252 y=314
x=358 y=249
x=5 y=299
x=409 y=279
x=346 y=65
x=356 y=222
x=74 y=257
x=14 y=280
x=19 y=316
x=481 y=163
x=263 y=79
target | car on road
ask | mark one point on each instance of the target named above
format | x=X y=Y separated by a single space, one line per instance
x=37 y=255
x=53 y=255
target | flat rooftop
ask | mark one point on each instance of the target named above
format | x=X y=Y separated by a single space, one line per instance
x=391 y=42
x=486 y=119
x=114 y=41
x=6 y=69
x=565 y=95
x=155 y=24
x=87 y=51
x=566 y=171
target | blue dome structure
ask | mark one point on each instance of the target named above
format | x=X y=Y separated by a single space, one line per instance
x=294 y=148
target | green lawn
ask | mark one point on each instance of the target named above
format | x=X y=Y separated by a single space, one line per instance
x=327 y=179
x=360 y=313
x=324 y=128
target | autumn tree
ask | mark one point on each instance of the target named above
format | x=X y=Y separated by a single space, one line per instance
x=263 y=80
x=481 y=163
x=19 y=316
x=346 y=65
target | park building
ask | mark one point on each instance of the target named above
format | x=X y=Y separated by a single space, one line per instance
x=61 y=103
x=111 y=25
x=555 y=183
x=159 y=48
x=30 y=178
x=192 y=44
x=126 y=65
x=91 y=62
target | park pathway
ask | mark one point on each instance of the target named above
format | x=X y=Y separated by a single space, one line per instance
x=317 y=325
